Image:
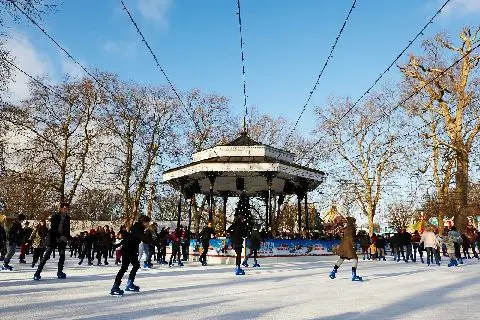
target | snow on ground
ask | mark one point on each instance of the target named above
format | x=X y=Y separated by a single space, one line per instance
x=281 y=289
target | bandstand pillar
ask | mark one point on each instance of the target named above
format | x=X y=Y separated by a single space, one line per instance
x=180 y=198
x=269 y=202
x=307 y=218
x=225 y=199
x=299 y=208
x=211 y=177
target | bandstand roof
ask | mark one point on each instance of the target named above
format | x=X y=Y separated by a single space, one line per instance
x=248 y=159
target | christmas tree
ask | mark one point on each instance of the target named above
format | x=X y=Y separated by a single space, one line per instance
x=243 y=208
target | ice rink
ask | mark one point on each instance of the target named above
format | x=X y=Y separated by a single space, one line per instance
x=281 y=289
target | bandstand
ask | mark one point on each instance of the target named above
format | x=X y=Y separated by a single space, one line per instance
x=245 y=166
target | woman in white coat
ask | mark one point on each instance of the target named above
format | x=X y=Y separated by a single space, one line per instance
x=430 y=242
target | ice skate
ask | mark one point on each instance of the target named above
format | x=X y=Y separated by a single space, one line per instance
x=239 y=272
x=245 y=264
x=37 y=277
x=7 y=267
x=131 y=287
x=355 y=277
x=333 y=274
x=256 y=265
x=116 y=291
x=61 y=275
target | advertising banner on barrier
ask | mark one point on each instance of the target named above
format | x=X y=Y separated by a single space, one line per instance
x=272 y=248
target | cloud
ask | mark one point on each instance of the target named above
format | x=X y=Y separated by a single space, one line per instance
x=126 y=48
x=156 y=10
x=72 y=69
x=463 y=7
x=27 y=58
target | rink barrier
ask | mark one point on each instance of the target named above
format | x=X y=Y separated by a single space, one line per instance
x=271 y=248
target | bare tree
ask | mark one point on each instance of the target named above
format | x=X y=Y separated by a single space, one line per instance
x=58 y=131
x=140 y=122
x=452 y=97
x=400 y=215
x=365 y=140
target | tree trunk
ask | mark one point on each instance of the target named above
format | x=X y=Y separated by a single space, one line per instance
x=461 y=189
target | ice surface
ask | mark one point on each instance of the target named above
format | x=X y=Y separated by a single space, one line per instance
x=281 y=289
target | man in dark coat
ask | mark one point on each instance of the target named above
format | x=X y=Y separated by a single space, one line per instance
x=130 y=244
x=3 y=242
x=14 y=238
x=205 y=236
x=57 y=237
x=25 y=246
x=255 y=243
x=237 y=233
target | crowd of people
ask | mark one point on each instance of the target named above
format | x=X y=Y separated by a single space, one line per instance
x=144 y=242
x=406 y=246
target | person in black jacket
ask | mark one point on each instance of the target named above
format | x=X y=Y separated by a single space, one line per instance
x=163 y=241
x=57 y=237
x=255 y=242
x=3 y=242
x=14 y=237
x=90 y=239
x=205 y=236
x=237 y=234
x=102 y=245
x=130 y=244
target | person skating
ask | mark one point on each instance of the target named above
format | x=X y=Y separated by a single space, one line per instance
x=364 y=241
x=416 y=246
x=38 y=240
x=455 y=235
x=205 y=236
x=175 y=238
x=151 y=232
x=255 y=243
x=163 y=240
x=346 y=250
x=381 y=243
x=118 y=245
x=407 y=242
x=429 y=240
x=14 y=236
x=24 y=242
x=102 y=245
x=130 y=245
x=57 y=237
x=237 y=234
x=3 y=242
x=450 y=243
x=90 y=239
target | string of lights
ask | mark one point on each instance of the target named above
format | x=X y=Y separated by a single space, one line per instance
x=162 y=70
x=34 y=22
x=90 y=74
x=412 y=95
x=243 y=68
x=420 y=33
x=321 y=71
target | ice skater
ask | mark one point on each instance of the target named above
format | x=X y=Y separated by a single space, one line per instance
x=205 y=236
x=14 y=235
x=237 y=234
x=255 y=242
x=175 y=238
x=38 y=241
x=347 y=251
x=57 y=237
x=130 y=245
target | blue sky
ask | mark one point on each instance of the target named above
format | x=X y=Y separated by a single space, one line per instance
x=197 y=42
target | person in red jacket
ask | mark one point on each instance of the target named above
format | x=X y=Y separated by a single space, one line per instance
x=176 y=238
